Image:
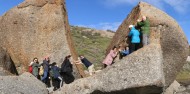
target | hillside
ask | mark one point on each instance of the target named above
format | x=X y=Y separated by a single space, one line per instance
x=184 y=74
x=91 y=43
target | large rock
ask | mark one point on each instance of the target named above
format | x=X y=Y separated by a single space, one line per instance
x=36 y=28
x=4 y=72
x=189 y=50
x=188 y=59
x=149 y=70
x=164 y=31
x=7 y=66
x=173 y=88
x=24 y=84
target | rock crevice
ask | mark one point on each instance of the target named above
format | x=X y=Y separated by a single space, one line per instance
x=149 y=70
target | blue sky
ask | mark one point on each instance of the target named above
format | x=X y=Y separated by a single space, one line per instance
x=108 y=14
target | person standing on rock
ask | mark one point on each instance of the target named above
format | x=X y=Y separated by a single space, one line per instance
x=87 y=63
x=66 y=70
x=45 y=65
x=110 y=57
x=56 y=77
x=135 y=38
x=35 y=66
x=144 y=26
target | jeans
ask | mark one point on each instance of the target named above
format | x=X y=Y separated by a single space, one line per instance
x=44 y=76
x=145 y=39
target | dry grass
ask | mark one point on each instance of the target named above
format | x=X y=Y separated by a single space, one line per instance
x=92 y=45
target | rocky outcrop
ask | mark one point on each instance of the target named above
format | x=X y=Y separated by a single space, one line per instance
x=164 y=31
x=4 y=72
x=37 y=28
x=173 y=88
x=177 y=88
x=189 y=50
x=7 y=66
x=150 y=70
x=23 y=84
x=188 y=58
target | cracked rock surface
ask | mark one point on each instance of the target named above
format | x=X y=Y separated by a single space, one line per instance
x=23 y=84
x=36 y=28
x=149 y=70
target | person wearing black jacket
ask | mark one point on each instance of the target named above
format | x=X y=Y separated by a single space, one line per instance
x=66 y=70
x=57 y=81
x=87 y=64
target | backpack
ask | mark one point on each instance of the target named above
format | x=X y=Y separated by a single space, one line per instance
x=52 y=72
x=30 y=69
x=41 y=72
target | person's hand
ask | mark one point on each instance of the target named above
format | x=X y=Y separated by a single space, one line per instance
x=78 y=63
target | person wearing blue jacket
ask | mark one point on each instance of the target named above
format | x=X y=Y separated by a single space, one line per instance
x=135 y=38
x=45 y=65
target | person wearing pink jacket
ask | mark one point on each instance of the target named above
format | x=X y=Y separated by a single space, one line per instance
x=110 y=57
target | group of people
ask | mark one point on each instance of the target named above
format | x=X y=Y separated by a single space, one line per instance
x=48 y=73
x=138 y=33
x=45 y=71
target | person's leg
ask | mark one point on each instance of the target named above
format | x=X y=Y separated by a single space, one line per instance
x=91 y=69
x=132 y=47
x=148 y=39
x=48 y=83
x=145 y=39
x=57 y=85
x=62 y=76
x=120 y=55
x=61 y=82
x=105 y=65
x=54 y=84
x=44 y=76
x=137 y=46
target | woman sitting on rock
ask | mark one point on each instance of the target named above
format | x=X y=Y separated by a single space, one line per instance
x=110 y=57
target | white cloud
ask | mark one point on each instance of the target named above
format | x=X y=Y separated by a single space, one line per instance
x=180 y=6
x=104 y=26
